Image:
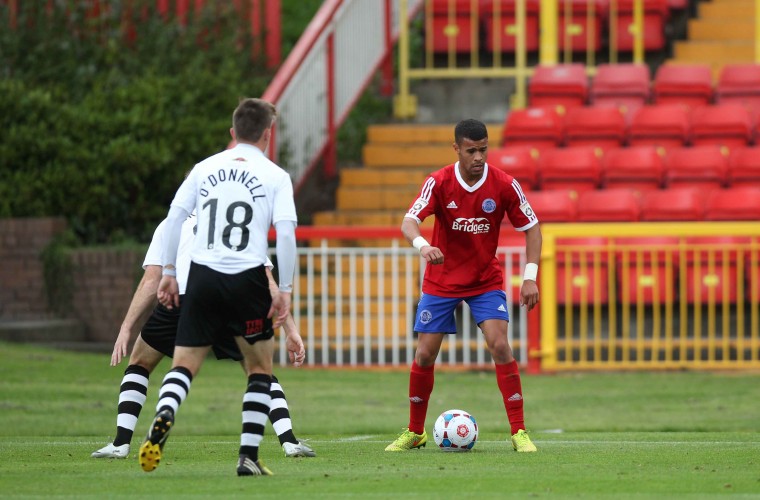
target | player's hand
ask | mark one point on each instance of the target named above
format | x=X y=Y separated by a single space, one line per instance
x=296 y=350
x=529 y=294
x=120 y=347
x=432 y=255
x=168 y=292
x=280 y=309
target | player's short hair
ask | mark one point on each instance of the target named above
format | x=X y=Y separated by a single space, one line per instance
x=251 y=118
x=470 y=129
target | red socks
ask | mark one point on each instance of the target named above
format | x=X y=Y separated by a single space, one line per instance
x=508 y=380
x=420 y=387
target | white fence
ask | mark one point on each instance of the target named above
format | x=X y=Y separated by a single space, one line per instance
x=356 y=307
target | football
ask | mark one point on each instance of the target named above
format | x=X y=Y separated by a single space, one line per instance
x=455 y=430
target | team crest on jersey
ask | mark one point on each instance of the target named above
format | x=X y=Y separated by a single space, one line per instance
x=425 y=316
x=489 y=205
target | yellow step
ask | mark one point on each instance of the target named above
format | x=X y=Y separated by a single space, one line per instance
x=384 y=177
x=721 y=29
x=374 y=307
x=382 y=155
x=364 y=218
x=374 y=283
x=375 y=328
x=373 y=198
x=705 y=52
x=417 y=134
x=361 y=264
x=737 y=10
x=420 y=134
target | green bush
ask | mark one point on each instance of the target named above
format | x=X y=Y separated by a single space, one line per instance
x=102 y=130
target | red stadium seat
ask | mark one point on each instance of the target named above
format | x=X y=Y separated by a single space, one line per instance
x=579 y=30
x=505 y=25
x=562 y=86
x=609 y=205
x=687 y=84
x=603 y=128
x=519 y=162
x=656 y=15
x=647 y=268
x=672 y=205
x=555 y=205
x=637 y=167
x=740 y=203
x=664 y=126
x=727 y=125
x=744 y=167
x=701 y=167
x=624 y=86
x=577 y=168
x=582 y=270
x=739 y=84
x=539 y=128
x=451 y=30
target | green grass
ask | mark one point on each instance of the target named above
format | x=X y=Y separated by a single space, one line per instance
x=611 y=435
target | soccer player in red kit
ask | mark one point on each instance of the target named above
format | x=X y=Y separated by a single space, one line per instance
x=469 y=201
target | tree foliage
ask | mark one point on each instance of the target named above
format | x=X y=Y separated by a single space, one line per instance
x=100 y=117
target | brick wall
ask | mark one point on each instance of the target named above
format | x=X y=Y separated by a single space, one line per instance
x=103 y=279
x=22 y=286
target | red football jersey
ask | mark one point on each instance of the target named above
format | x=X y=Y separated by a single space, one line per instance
x=467 y=224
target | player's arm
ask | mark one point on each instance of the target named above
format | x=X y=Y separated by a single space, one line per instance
x=529 y=289
x=286 y=266
x=273 y=291
x=410 y=228
x=293 y=340
x=143 y=302
x=168 y=289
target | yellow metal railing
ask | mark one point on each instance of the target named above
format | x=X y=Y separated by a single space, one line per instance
x=650 y=296
x=472 y=64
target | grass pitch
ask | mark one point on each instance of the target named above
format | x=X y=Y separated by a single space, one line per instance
x=612 y=435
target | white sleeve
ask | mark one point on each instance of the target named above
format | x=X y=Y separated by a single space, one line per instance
x=174 y=221
x=156 y=248
x=286 y=253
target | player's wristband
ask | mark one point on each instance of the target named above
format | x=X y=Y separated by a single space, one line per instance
x=420 y=242
x=169 y=271
x=286 y=288
x=531 y=271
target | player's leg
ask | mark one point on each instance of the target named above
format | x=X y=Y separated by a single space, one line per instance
x=155 y=341
x=132 y=394
x=174 y=390
x=434 y=315
x=279 y=415
x=491 y=316
x=256 y=401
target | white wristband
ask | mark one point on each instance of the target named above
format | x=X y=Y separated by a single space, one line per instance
x=169 y=271
x=420 y=242
x=531 y=271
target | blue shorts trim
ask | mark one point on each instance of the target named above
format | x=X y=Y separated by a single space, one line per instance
x=436 y=314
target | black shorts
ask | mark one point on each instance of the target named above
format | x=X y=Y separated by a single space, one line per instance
x=220 y=306
x=160 y=332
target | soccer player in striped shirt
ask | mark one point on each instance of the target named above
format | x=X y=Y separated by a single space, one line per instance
x=469 y=201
